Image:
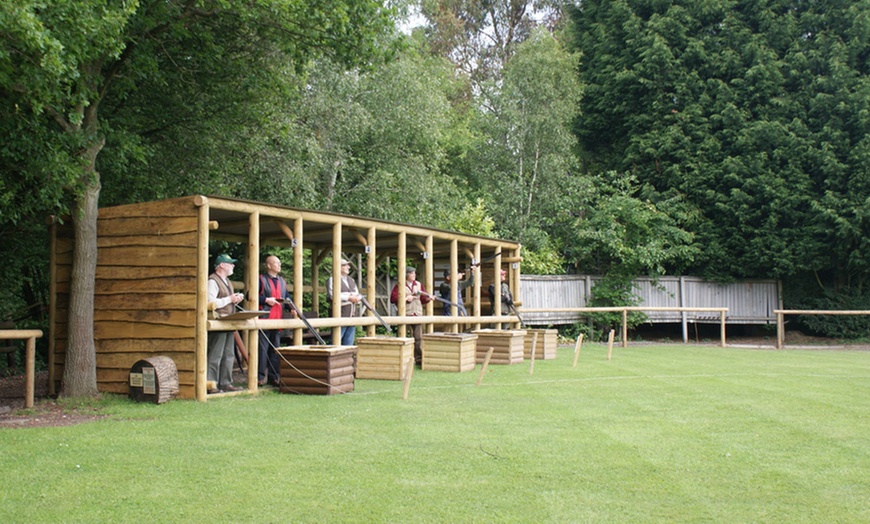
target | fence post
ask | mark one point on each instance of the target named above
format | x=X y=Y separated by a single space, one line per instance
x=780 y=329
x=625 y=328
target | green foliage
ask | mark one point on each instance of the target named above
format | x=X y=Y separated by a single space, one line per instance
x=837 y=326
x=755 y=114
x=524 y=162
x=621 y=232
x=544 y=261
x=474 y=220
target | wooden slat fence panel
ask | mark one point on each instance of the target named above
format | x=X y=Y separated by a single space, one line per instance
x=748 y=302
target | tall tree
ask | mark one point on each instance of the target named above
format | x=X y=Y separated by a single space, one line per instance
x=60 y=60
x=479 y=37
x=527 y=164
x=753 y=111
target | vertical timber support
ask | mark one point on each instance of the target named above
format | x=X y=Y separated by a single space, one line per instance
x=454 y=288
x=336 y=281
x=429 y=279
x=780 y=329
x=202 y=272
x=402 y=259
x=625 y=328
x=371 y=273
x=298 y=273
x=477 y=285
x=252 y=282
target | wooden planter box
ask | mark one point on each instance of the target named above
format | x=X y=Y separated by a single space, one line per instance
x=317 y=370
x=448 y=351
x=548 y=340
x=507 y=345
x=383 y=357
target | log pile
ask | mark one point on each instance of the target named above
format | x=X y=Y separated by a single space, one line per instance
x=448 y=351
x=507 y=345
x=317 y=370
x=383 y=357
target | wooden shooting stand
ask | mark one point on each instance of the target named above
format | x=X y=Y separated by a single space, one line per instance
x=317 y=370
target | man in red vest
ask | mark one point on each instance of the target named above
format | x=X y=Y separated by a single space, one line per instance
x=273 y=291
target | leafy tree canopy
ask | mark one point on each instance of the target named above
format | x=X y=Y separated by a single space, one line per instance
x=755 y=112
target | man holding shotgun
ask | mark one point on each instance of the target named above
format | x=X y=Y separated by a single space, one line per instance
x=415 y=298
x=446 y=286
x=507 y=300
x=350 y=297
x=273 y=292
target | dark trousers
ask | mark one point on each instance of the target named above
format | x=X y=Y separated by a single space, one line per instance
x=269 y=364
x=417 y=333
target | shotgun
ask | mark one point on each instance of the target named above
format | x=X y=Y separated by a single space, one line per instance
x=380 y=319
x=460 y=307
x=517 y=313
x=487 y=259
x=304 y=320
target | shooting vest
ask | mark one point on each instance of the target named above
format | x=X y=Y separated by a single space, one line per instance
x=225 y=289
x=348 y=285
x=269 y=289
x=506 y=298
x=414 y=308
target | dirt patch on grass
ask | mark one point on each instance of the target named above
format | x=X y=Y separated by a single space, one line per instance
x=45 y=412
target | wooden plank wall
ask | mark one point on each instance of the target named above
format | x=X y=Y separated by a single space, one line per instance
x=145 y=291
x=748 y=301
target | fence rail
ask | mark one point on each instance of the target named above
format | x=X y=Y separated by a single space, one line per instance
x=781 y=313
x=722 y=311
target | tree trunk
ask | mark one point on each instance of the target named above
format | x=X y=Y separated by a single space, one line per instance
x=80 y=363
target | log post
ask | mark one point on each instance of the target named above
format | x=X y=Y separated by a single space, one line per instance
x=485 y=364
x=534 y=348
x=252 y=282
x=625 y=328
x=577 y=348
x=409 y=374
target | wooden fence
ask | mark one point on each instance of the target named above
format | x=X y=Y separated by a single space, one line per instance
x=721 y=311
x=560 y=299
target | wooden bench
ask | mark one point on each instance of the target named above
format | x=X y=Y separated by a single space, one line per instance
x=6 y=346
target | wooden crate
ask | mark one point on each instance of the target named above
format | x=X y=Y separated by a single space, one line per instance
x=317 y=370
x=548 y=340
x=507 y=345
x=383 y=357
x=448 y=351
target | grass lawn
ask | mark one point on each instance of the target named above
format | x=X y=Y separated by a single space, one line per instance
x=657 y=434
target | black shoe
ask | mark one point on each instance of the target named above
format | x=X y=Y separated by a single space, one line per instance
x=231 y=388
